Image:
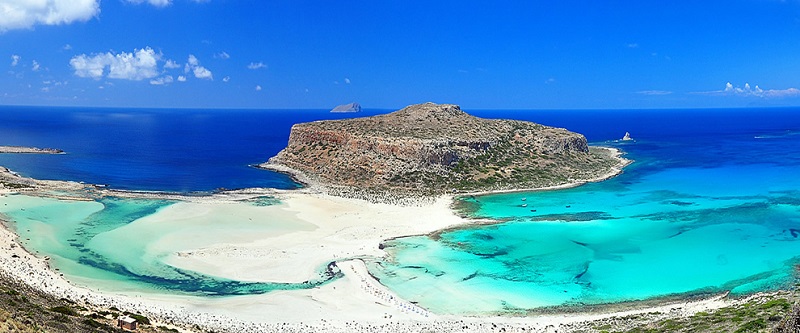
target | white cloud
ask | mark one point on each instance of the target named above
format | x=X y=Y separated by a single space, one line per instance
x=171 y=65
x=203 y=73
x=200 y=72
x=15 y=60
x=222 y=55
x=162 y=80
x=67 y=47
x=654 y=92
x=748 y=91
x=226 y=79
x=258 y=88
x=181 y=78
x=633 y=45
x=256 y=65
x=347 y=80
x=23 y=14
x=54 y=83
x=139 y=65
x=35 y=66
x=192 y=61
x=157 y=3
x=550 y=80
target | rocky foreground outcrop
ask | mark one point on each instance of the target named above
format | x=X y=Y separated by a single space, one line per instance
x=431 y=149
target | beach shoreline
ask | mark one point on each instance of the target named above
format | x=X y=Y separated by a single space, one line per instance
x=345 y=230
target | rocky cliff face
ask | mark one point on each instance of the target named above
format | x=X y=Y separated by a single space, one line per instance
x=432 y=148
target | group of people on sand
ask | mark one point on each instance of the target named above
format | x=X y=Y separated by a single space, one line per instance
x=388 y=298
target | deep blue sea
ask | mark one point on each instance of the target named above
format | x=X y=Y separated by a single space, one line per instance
x=178 y=150
x=187 y=150
x=711 y=204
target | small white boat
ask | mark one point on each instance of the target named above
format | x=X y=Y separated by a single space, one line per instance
x=523 y=199
x=524 y=205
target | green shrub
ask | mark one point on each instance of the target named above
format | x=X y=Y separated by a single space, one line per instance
x=64 y=310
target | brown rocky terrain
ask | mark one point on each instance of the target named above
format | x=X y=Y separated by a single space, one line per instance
x=436 y=148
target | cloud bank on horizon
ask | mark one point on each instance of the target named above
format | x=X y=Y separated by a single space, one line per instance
x=166 y=53
x=747 y=91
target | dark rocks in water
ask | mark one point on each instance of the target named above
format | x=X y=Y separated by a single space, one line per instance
x=352 y=107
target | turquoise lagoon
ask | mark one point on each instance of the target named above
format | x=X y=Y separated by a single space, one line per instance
x=123 y=245
x=685 y=219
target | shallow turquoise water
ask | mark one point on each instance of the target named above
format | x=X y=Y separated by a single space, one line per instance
x=93 y=244
x=670 y=226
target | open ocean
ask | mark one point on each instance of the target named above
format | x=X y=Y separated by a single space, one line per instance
x=711 y=204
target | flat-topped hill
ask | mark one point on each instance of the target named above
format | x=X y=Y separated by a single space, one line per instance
x=436 y=148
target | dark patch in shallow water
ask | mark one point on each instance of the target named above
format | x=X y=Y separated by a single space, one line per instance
x=469 y=277
x=581 y=274
x=492 y=255
x=785 y=200
x=574 y=217
x=196 y=283
x=680 y=203
x=580 y=243
x=667 y=195
x=743 y=213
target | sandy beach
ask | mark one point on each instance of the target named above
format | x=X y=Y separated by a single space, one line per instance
x=321 y=229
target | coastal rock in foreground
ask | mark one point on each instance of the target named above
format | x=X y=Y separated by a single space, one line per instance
x=430 y=149
x=352 y=107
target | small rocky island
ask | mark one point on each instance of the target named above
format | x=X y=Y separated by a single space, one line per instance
x=352 y=107
x=429 y=149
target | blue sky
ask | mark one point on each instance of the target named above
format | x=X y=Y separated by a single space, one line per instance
x=388 y=54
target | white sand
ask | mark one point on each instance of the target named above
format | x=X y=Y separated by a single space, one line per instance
x=342 y=228
x=311 y=230
x=356 y=303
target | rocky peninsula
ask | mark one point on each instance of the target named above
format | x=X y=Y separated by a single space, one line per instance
x=28 y=150
x=430 y=149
